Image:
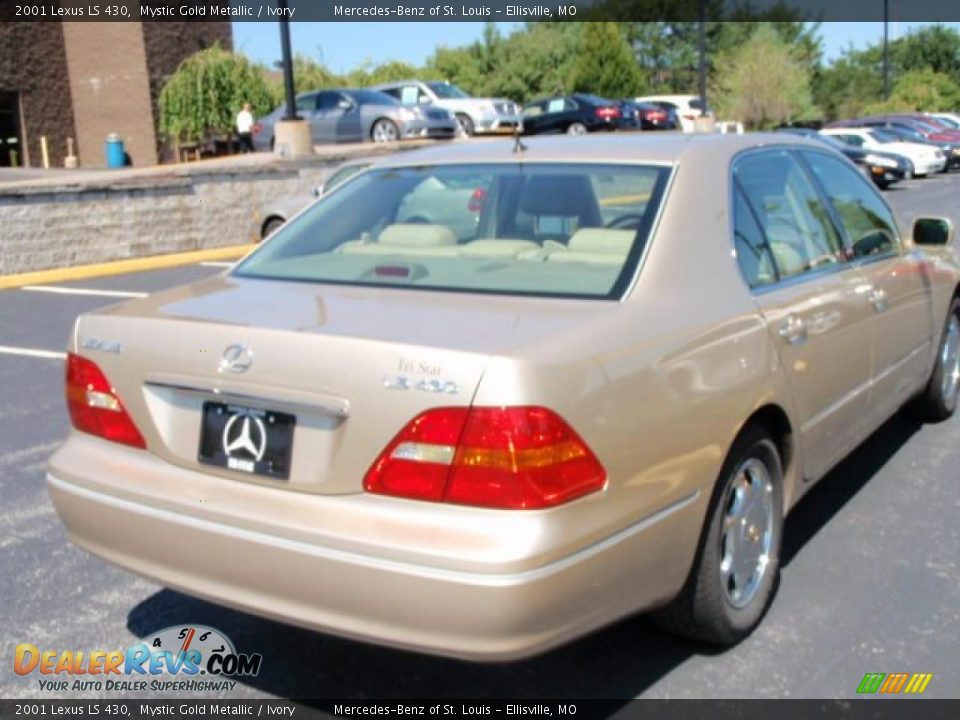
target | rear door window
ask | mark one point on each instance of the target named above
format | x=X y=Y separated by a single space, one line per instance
x=798 y=228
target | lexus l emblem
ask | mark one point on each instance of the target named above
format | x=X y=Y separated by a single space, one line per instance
x=236 y=358
x=247 y=433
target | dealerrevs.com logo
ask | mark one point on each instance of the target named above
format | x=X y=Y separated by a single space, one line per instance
x=181 y=658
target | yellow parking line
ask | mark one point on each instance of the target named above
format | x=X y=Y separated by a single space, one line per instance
x=120 y=267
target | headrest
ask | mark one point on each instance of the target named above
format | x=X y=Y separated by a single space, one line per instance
x=558 y=195
x=602 y=240
x=417 y=235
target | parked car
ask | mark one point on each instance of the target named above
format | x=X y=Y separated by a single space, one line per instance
x=883 y=168
x=927 y=159
x=575 y=114
x=276 y=213
x=359 y=115
x=431 y=203
x=915 y=128
x=648 y=116
x=687 y=107
x=475 y=115
x=951 y=120
x=603 y=401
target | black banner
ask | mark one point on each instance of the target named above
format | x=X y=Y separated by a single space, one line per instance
x=859 y=709
x=475 y=10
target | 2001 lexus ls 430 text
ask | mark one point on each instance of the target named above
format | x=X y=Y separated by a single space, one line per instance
x=479 y=400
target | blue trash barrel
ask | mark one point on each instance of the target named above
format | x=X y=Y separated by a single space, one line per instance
x=115 y=152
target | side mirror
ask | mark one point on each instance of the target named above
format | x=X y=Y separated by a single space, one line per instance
x=424 y=100
x=932 y=231
x=316 y=190
x=344 y=104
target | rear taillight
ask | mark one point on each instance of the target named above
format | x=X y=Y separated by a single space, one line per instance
x=607 y=113
x=498 y=457
x=257 y=127
x=94 y=405
x=475 y=203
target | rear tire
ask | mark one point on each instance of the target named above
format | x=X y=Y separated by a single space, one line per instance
x=736 y=568
x=939 y=400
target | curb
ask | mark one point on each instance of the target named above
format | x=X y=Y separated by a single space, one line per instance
x=121 y=267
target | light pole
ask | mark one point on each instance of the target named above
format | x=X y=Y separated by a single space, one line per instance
x=702 y=50
x=886 y=49
x=287 y=61
x=291 y=134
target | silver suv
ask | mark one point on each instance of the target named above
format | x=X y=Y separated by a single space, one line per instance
x=476 y=115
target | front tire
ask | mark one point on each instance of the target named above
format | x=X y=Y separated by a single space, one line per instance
x=466 y=124
x=576 y=129
x=384 y=131
x=939 y=400
x=735 y=572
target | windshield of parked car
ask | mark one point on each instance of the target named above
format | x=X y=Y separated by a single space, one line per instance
x=447 y=91
x=948 y=122
x=572 y=230
x=372 y=97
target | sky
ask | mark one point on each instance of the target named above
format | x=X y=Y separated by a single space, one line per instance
x=344 y=46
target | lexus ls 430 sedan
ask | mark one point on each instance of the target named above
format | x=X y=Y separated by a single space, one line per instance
x=600 y=396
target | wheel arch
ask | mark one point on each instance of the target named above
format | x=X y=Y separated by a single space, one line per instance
x=267 y=221
x=774 y=420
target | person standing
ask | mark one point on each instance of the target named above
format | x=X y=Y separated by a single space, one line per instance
x=245 y=128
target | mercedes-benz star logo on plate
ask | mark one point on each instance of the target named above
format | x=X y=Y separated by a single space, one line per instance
x=236 y=358
x=246 y=433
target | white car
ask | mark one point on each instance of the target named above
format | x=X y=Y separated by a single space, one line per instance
x=688 y=107
x=926 y=159
x=475 y=115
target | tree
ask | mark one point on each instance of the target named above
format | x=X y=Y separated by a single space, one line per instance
x=764 y=83
x=605 y=64
x=207 y=90
x=920 y=91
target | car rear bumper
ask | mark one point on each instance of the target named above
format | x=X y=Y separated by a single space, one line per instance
x=183 y=529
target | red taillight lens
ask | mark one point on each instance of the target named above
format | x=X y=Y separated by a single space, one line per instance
x=94 y=405
x=475 y=203
x=257 y=127
x=607 y=112
x=515 y=457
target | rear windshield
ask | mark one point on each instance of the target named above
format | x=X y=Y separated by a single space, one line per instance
x=567 y=230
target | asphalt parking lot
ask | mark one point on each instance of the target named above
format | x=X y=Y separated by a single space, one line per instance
x=871 y=577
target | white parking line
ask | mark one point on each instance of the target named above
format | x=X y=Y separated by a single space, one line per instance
x=32 y=352
x=217 y=264
x=83 y=291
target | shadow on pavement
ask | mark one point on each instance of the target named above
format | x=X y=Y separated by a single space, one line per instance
x=618 y=662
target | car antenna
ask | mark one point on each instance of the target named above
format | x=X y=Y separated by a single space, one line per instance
x=518 y=146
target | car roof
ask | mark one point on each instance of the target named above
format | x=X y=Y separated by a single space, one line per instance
x=663 y=149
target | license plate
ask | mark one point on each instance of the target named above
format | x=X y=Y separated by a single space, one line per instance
x=248 y=440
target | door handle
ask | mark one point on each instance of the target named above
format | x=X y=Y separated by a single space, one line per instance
x=794 y=331
x=878 y=298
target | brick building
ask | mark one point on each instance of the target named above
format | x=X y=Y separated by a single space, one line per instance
x=84 y=80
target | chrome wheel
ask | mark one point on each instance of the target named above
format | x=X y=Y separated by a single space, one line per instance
x=385 y=131
x=747 y=532
x=577 y=129
x=950 y=360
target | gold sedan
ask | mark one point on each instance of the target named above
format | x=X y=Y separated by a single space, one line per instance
x=596 y=390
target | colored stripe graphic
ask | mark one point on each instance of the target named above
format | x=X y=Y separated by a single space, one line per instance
x=871 y=682
x=913 y=683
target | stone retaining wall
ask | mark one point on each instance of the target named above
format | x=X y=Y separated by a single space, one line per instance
x=106 y=217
